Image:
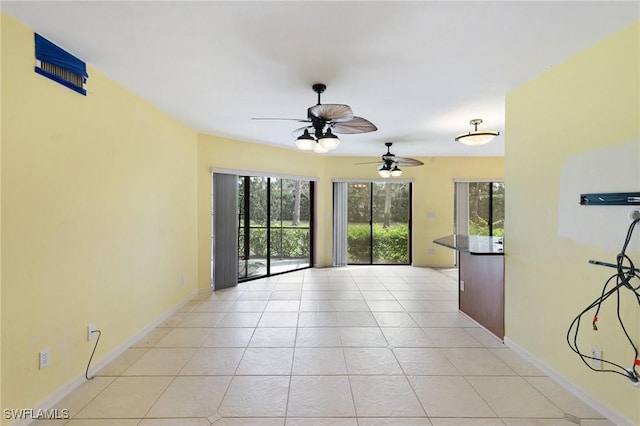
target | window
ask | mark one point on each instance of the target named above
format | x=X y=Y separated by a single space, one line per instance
x=479 y=208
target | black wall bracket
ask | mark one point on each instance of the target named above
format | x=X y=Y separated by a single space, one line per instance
x=611 y=199
x=611 y=265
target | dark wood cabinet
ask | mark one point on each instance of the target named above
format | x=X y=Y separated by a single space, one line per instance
x=480 y=279
x=481 y=290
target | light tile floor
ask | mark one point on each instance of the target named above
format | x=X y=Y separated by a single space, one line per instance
x=355 y=346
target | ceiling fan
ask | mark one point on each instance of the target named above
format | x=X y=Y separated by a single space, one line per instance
x=389 y=164
x=324 y=120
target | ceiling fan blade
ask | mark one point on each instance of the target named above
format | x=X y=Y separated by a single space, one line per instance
x=399 y=161
x=355 y=125
x=368 y=162
x=301 y=120
x=332 y=112
x=407 y=162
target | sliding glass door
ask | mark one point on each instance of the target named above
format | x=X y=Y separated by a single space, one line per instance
x=379 y=223
x=486 y=208
x=274 y=226
x=479 y=208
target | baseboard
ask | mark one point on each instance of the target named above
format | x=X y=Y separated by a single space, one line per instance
x=202 y=291
x=613 y=416
x=49 y=402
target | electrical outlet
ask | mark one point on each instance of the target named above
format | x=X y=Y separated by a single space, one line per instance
x=183 y=279
x=45 y=357
x=461 y=285
x=597 y=354
x=90 y=331
x=431 y=251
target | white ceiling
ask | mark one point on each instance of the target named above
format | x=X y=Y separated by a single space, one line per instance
x=418 y=70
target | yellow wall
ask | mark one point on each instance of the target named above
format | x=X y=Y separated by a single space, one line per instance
x=99 y=219
x=575 y=129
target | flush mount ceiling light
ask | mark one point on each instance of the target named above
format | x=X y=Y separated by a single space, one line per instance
x=477 y=137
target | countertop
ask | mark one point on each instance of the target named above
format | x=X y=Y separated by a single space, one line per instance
x=473 y=244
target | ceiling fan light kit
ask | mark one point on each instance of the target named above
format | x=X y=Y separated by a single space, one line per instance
x=385 y=170
x=477 y=137
x=329 y=141
x=306 y=142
